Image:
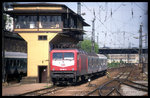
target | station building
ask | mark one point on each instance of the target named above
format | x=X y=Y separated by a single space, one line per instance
x=45 y=26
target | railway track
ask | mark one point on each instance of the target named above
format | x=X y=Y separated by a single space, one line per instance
x=42 y=92
x=112 y=87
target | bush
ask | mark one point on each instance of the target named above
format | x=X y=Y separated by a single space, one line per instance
x=113 y=64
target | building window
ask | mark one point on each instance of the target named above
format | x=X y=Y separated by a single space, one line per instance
x=32 y=22
x=42 y=37
x=23 y=22
x=50 y=22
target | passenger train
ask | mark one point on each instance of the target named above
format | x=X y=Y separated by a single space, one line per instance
x=72 y=65
x=15 y=64
x=66 y=65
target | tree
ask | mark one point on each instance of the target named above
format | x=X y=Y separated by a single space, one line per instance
x=8 y=20
x=86 y=45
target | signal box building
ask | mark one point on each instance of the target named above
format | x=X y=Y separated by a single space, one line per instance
x=45 y=26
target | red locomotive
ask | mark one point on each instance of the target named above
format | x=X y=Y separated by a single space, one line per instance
x=71 y=65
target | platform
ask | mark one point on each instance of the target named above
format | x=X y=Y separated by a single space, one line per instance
x=23 y=88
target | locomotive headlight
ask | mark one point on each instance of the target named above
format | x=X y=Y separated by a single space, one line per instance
x=53 y=69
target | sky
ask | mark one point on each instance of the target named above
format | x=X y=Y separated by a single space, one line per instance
x=117 y=24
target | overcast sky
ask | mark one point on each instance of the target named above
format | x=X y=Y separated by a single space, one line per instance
x=116 y=22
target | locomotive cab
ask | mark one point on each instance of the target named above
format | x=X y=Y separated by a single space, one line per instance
x=63 y=65
x=73 y=65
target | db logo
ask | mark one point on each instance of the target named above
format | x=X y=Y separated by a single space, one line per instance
x=62 y=64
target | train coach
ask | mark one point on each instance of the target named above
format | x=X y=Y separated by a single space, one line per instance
x=15 y=64
x=72 y=65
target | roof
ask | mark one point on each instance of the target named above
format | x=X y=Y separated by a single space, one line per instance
x=9 y=34
x=15 y=55
x=64 y=10
x=36 y=4
x=102 y=56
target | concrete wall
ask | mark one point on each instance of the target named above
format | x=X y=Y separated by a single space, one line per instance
x=38 y=52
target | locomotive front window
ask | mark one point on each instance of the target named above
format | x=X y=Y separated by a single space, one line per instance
x=57 y=55
x=69 y=56
x=65 y=56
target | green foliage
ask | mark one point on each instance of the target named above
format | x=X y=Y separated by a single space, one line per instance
x=121 y=62
x=113 y=64
x=86 y=45
x=96 y=48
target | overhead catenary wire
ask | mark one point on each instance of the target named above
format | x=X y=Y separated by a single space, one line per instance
x=96 y=17
x=106 y=11
x=139 y=7
x=110 y=16
x=114 y=11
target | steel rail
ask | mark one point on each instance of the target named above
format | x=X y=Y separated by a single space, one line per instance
x=146 y=90
x=109 y=82
x=37 y=92
x=114 y=88
x=120 y=82
x=137 y=83
x=115 y=79
x=140 y=88
x=51 y=91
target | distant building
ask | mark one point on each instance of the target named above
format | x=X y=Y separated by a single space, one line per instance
x=126 y=58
